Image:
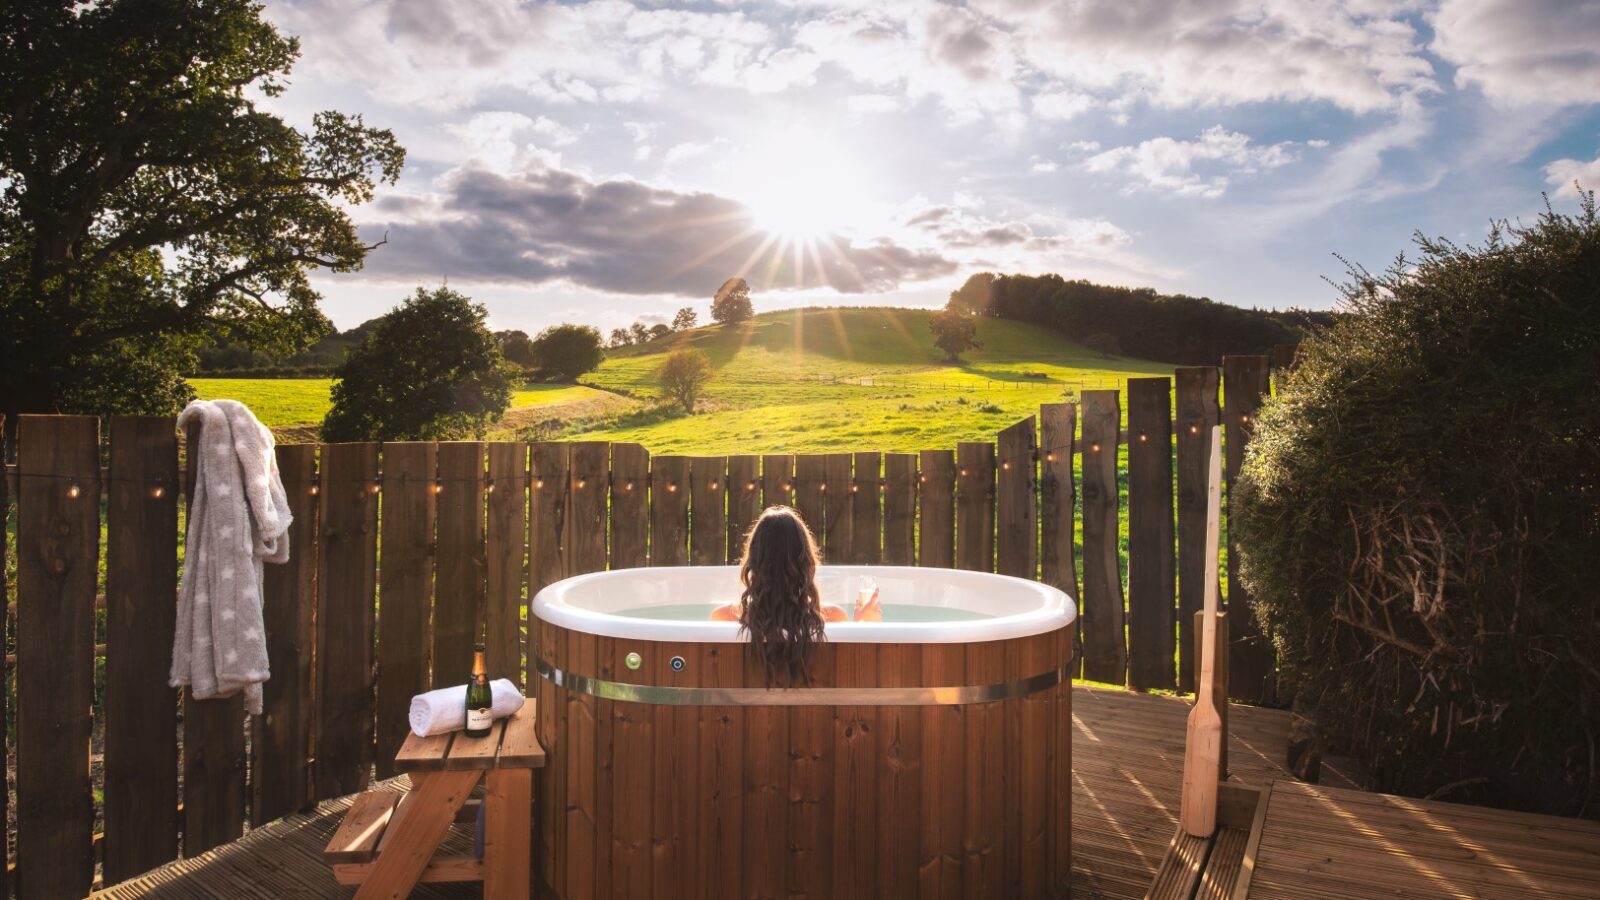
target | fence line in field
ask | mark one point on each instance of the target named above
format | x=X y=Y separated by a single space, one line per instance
x=470 y=530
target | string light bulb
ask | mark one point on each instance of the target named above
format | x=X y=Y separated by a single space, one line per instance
x=672 y=486
x=583 y=482
x=315 y=488
x=1194 y=429
x=488 y=487
x=73 y=490
x=158 y=492
x=628 y=486
x=1245 y=419
x=1050 y=457
x=749 y=485
x=1095 y=447
x=714 y=484
x=1006 y=466
x=1143 y=438
x=538 y=484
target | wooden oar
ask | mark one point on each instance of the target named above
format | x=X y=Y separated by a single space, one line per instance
x=1202 y=756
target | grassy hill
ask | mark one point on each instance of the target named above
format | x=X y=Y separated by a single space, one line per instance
x=821 y=379
x=792 y=381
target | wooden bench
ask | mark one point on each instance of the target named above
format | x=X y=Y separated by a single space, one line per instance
x=388 y=841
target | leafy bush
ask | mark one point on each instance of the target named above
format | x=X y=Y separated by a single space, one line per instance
x=429 y=370
x=683 y=377
x=564 y=352
x=1419 y=520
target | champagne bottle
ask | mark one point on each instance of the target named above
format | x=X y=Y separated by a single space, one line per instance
x=479 y=697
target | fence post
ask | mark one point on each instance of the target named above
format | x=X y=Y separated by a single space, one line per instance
x=1244 y=386
x=1017 y=542
x=669 y=511
x=936 y=511
x=460 y=571
x=899 y=509
x=708 y=527
x=630 y=514
x=975 y=506
x=280 y=779
x=1152 y=584
x=1197 y=413
x=346 y=581
x=506 y=549
x=140 y=710
x=1105 y=653
x=213 y=739
x=1058 y=425
x=866 y=519
x=58 y=548
x=744 y=501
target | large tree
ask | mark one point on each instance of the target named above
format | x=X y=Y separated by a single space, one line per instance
x=147 y=204
x=429 y=370
x=565 y=352
x=731 y=305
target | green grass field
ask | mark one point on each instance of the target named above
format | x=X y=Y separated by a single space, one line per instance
x=792 y=381
x=869 y=378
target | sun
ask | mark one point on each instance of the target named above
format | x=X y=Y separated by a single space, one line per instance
x=802 y=187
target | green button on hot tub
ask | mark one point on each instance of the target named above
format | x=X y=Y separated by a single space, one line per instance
x=633 y=660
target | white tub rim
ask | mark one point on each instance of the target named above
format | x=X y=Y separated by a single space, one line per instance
x=1051 y=610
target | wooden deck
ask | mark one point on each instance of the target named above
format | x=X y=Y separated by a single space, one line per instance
x=1328 y=844
x=1319 y=843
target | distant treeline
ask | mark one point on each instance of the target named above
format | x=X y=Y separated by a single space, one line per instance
x=1136 y=322
x=225 y=359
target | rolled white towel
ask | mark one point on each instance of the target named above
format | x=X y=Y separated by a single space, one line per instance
x=445 y=709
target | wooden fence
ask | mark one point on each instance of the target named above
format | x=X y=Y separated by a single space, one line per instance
x=402 y=552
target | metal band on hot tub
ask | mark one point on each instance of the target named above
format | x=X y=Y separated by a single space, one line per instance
x=667 y=695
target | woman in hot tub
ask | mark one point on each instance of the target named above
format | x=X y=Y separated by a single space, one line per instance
x=780 y=607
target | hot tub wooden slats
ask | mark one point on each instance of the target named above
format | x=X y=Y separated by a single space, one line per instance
x=805 y=801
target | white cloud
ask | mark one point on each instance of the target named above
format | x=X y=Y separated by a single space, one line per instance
x=1567 y=175
x=1061 y=105
x=1043 y=166
x=1358 y=56
x=498 y=140
x=1533 y=52
x=872 y=103
x=685 y=151
x=1168 y=164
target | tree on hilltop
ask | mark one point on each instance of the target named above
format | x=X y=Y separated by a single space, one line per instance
x=685 y=319
x=731 y=305
x=954 y=332
x=683 y=377
x=564 y=352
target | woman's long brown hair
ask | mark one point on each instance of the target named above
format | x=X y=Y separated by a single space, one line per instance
x=780 y=608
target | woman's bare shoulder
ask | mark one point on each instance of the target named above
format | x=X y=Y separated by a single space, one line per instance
x=831 y=613
x=728 y=613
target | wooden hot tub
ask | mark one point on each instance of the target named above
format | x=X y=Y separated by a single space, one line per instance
x=930 y=758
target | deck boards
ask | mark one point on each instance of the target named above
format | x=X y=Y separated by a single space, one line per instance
x=1332 y=843
x=1319 y=843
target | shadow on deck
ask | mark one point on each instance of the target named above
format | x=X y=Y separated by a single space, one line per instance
x=1127 y=774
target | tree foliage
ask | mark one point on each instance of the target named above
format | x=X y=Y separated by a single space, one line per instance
x=146 y=201
x=1164 y=327
x=1419 y=520
x=565 y=352
x=686 y=319
x=683 y=377
x=731 y=305
x=429 y=370
x=517 y=348
x=954 y=332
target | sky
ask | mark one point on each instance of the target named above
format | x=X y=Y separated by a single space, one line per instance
x=602 y=162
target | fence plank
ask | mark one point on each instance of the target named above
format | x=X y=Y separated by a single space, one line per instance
x=506 y=543
x=58 y=544
x=710 y=487
x=835 y=532
x=346 y=579
x=1105 y=654
x=744 y=501
x=1250 y=662
x=459 y=573
x=810 y=494
x=547 y=511
x=866 y=519
x=141 y=711
x=936 y=502
x=406 y=592
x=1197 y=411
x=213 y=745
x=585 y=539
x=1152 y=582
x=281 y=739
x=630 y=494
x=1017 y=540
x=1058 y=425
x=5 y=621
x=669 y=511
x=975 y=506
x=777 y=480
x=899 y=509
